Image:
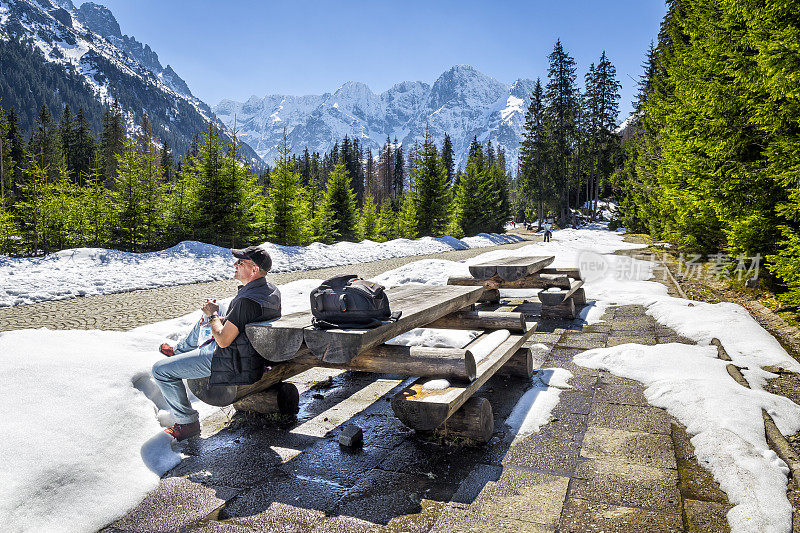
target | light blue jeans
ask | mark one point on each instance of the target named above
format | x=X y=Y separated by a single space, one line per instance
x=189 y=362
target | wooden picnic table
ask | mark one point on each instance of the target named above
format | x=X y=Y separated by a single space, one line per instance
x=562 y=288
x=292 y=345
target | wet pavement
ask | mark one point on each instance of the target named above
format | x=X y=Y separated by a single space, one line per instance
x=607 y=460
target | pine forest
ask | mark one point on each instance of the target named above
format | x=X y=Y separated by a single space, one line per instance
x=709 y=161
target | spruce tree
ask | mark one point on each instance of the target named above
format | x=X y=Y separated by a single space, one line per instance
x=368 y=223
x=561 y=109
x=67 y=140
x=129 y=198
x=84 y=148
x=340 y=202
x=286 y=226
x=469 y=203
x=44 y=143
x=398 y=171
x=16 y=153
x=112 y=143
x=430 y=191
x=447 y=159
x=387 y=222
x=406 y=221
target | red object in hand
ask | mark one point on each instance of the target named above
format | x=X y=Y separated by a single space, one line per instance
x=166 y=349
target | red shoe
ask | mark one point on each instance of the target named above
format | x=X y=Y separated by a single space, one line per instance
x=166 y=349
x=183 y=431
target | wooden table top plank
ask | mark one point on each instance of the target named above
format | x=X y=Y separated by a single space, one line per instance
x=425 y=409
x=510 y=268
x=515 y=270
x=278 y=340
x=419 y=305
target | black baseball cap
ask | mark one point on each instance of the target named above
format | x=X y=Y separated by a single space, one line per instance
x=256 y=254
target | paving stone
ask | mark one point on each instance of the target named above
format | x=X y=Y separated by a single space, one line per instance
x=276 y=517
x=673 y=339
x=615 y=340
x=421 y=522
x=379 y=496
x=696 y=482
x=543 y=338
x=580 y=516
x=233 y=457
x=525 y=495
x=563 y=354
x=631 y=447
x=308 y=493
x=630 y=417
x=541 y=453
x=474 y=483
x=620 y=394
x=565 y=426
x=602 y=327
x=582 y=340
x=350 y=463
x=607 y=378
x=460 y=520
x=176 y=503
x=574 y=402
x=448 y=464
x=628 y=485
x=629 y=311
x=706 y=517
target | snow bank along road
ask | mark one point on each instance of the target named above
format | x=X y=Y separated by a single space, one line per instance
x=93 y=383
x=122 y=311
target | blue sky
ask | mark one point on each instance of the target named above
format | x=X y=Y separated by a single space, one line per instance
x=237 y=48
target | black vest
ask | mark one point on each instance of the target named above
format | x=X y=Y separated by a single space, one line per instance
x=240 y=363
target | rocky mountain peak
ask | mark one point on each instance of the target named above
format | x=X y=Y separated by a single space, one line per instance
x=99 y=19
x=463 y=103
x=463 y=83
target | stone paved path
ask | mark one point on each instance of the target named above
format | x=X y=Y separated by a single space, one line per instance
x=124 y=311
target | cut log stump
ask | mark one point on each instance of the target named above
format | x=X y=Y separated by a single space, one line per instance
x=423 y=408
x=519 y=366
x=579 y=297
x=221 y=396
x=560 y=311
x=486 y=320
x=474 y=420
x=550 y=297
x=282 y=398
x=422 y=361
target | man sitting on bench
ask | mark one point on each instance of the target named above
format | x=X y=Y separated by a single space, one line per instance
x=228 y=357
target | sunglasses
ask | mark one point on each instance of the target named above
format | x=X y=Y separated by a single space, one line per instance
x=240 y=262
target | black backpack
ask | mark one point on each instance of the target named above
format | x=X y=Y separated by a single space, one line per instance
x=348 y=301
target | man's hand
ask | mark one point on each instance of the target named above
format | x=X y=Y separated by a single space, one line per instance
x=210 y=307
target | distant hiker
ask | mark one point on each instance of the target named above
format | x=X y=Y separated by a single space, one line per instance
x=547 y=232
x=227 y=356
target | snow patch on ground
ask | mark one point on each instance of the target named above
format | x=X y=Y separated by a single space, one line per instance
x=692 y=384
x=91 y=271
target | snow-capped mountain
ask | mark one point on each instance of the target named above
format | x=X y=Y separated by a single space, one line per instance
x=86 y=44
x=462 y=102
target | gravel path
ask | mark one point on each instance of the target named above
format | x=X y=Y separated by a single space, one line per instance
x=127 y=310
